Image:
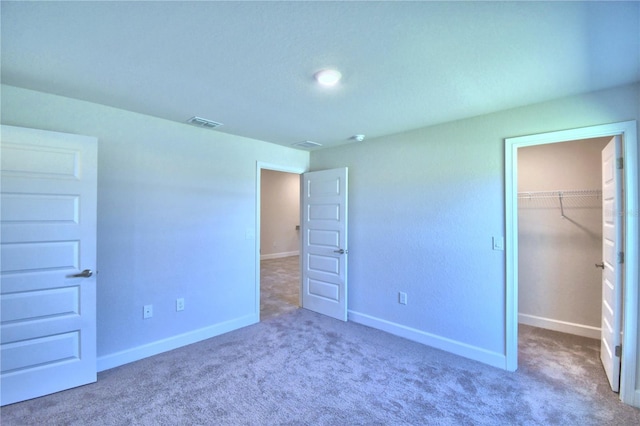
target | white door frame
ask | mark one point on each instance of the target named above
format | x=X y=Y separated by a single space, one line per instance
x=628 y=131
x=278 y=168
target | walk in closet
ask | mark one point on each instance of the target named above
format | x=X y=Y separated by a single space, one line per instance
x=560 y=236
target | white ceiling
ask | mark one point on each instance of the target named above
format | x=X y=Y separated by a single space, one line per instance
x=250 y=65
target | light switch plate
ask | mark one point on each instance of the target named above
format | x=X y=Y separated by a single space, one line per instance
x=498 y=243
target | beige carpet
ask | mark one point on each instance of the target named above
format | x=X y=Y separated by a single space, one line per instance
x=279 y=286
x=301 y=368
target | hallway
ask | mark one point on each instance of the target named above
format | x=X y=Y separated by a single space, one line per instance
x=279 y=286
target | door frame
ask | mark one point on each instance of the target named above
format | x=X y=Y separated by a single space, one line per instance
x=628 y=131
x=278 y=168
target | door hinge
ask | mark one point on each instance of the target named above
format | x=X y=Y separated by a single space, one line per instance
x=621 y=257
x=620 y=163
x=618 y=350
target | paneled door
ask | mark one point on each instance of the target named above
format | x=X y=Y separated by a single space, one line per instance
x=610 y=349
x=48 y=243
x=324 y=242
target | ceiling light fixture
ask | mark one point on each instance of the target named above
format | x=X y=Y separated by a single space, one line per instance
x=328 y=77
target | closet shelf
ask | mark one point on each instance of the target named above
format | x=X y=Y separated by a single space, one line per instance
x=561 y=194
x=573 y=197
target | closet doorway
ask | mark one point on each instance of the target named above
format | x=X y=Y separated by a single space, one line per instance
x=560 y=236
x=278 y=244
x=629 y=156
x=559 y=244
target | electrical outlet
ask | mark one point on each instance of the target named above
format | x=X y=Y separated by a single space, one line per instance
x=180 y=304
x=147 y=312
x=402 y=298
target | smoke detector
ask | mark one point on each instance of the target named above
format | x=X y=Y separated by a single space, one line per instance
x=358 y=138
x=203 y=122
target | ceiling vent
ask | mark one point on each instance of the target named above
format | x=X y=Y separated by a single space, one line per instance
x=307 y=144
x=203 y=122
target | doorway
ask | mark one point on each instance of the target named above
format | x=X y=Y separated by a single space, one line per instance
x=560 y=236
x=560 y=296
x=277 y=240
x=627 y=131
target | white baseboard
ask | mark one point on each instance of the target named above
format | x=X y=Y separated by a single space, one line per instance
x=562 y=326
x=279 y=255
x=137 y=353
x=468 y=351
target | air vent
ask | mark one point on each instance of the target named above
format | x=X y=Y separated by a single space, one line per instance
x=307 y=144
x=203 y=122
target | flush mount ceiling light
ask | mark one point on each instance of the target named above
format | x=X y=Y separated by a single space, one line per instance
x=328 y=77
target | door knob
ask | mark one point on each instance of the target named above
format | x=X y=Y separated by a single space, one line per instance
x=600 y=265
x=341 y=251
x=84 y=274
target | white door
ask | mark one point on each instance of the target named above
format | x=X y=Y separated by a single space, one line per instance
x=48 y=238
x=610 y=349
x=324 y=242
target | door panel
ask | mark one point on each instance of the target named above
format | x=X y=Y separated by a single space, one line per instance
x=324 y=242
x=612 y=272
x=48 y=225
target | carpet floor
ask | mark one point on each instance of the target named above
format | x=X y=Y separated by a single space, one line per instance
x=279 y=286
x=302 y=368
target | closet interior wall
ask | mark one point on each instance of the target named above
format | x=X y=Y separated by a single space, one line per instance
x=560 y=236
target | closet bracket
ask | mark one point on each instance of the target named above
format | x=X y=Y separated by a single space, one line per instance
x=561 y=205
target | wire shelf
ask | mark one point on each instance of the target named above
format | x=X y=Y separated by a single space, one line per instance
x=560 y=194
x=565 y=199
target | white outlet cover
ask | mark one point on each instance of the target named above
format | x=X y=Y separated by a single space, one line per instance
x=147 y=311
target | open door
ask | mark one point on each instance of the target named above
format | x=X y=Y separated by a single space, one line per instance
x=324 y=242
x=610 y=347
x=48 y=236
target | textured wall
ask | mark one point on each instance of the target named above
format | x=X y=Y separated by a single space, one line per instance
x=176 y=213
x=557 y=277
x=279 y=213
x=424 y=206
x=175 y=202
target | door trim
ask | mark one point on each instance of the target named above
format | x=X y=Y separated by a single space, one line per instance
x=628 y=131
x=278 y=168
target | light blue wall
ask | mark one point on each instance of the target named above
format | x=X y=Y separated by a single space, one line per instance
x=423 y=208
x=175 y=204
